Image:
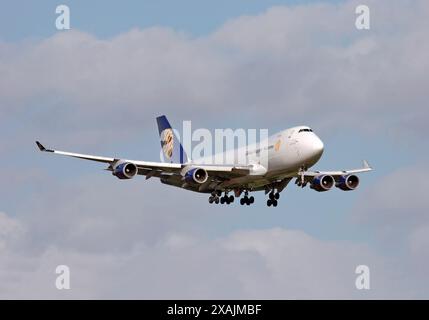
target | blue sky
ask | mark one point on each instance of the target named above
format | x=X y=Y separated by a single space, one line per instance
x=241 y=64
x=22 y=19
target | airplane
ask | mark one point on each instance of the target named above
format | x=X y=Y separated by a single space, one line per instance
x=290 y=153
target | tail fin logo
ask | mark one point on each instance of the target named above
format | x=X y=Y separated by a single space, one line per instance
x=172 y=150
x=167 y=141
x=277 y=145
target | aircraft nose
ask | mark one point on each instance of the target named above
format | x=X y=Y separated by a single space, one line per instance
x=317 y=146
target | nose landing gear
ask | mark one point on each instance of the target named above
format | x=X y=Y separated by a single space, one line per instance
x=300 y=183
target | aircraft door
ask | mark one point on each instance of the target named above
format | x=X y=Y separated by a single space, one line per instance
x=293 y=144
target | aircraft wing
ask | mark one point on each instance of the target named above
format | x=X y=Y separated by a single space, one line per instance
x=308 y=175
x=111 y=161
x=158 y=169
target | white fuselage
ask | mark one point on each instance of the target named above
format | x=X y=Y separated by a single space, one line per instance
x=282 y=153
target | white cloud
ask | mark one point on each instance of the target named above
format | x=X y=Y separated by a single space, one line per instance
x=399 y=197
x=116 y=236
x=10 y=231
x=303 y=61
x=272 y=263
x=396 y=210
x=300 y=266
x=287 y=64
x=419 y=244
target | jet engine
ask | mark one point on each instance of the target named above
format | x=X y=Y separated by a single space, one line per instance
x=322 y=183
x=348 y=182
x=125 y=170
x=196 y=175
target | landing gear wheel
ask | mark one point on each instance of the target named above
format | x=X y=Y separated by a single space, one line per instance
x=271 y=195
x=222 y=200
x=277 y=196
x=269 y=202
x=231 y=199
x=275 y=203
x=216 y=200
x=211 y=200
x=245 y=200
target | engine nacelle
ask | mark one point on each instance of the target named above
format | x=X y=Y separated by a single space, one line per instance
x=322 y=183
x=196 y=175
x=347 y=183
x=125 y=170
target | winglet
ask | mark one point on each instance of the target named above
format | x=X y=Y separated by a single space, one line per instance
x=42 y=148
x=366 y=165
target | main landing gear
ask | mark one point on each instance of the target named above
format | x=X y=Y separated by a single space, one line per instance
x=246 y=200
x=273 y=197
x=216 y=198
x=227 y=199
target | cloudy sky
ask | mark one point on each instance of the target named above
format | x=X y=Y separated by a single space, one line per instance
x=98 y=87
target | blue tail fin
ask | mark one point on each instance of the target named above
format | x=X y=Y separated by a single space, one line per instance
x=170 y=144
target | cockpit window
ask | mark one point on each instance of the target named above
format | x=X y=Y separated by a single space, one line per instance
x=305 y=130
